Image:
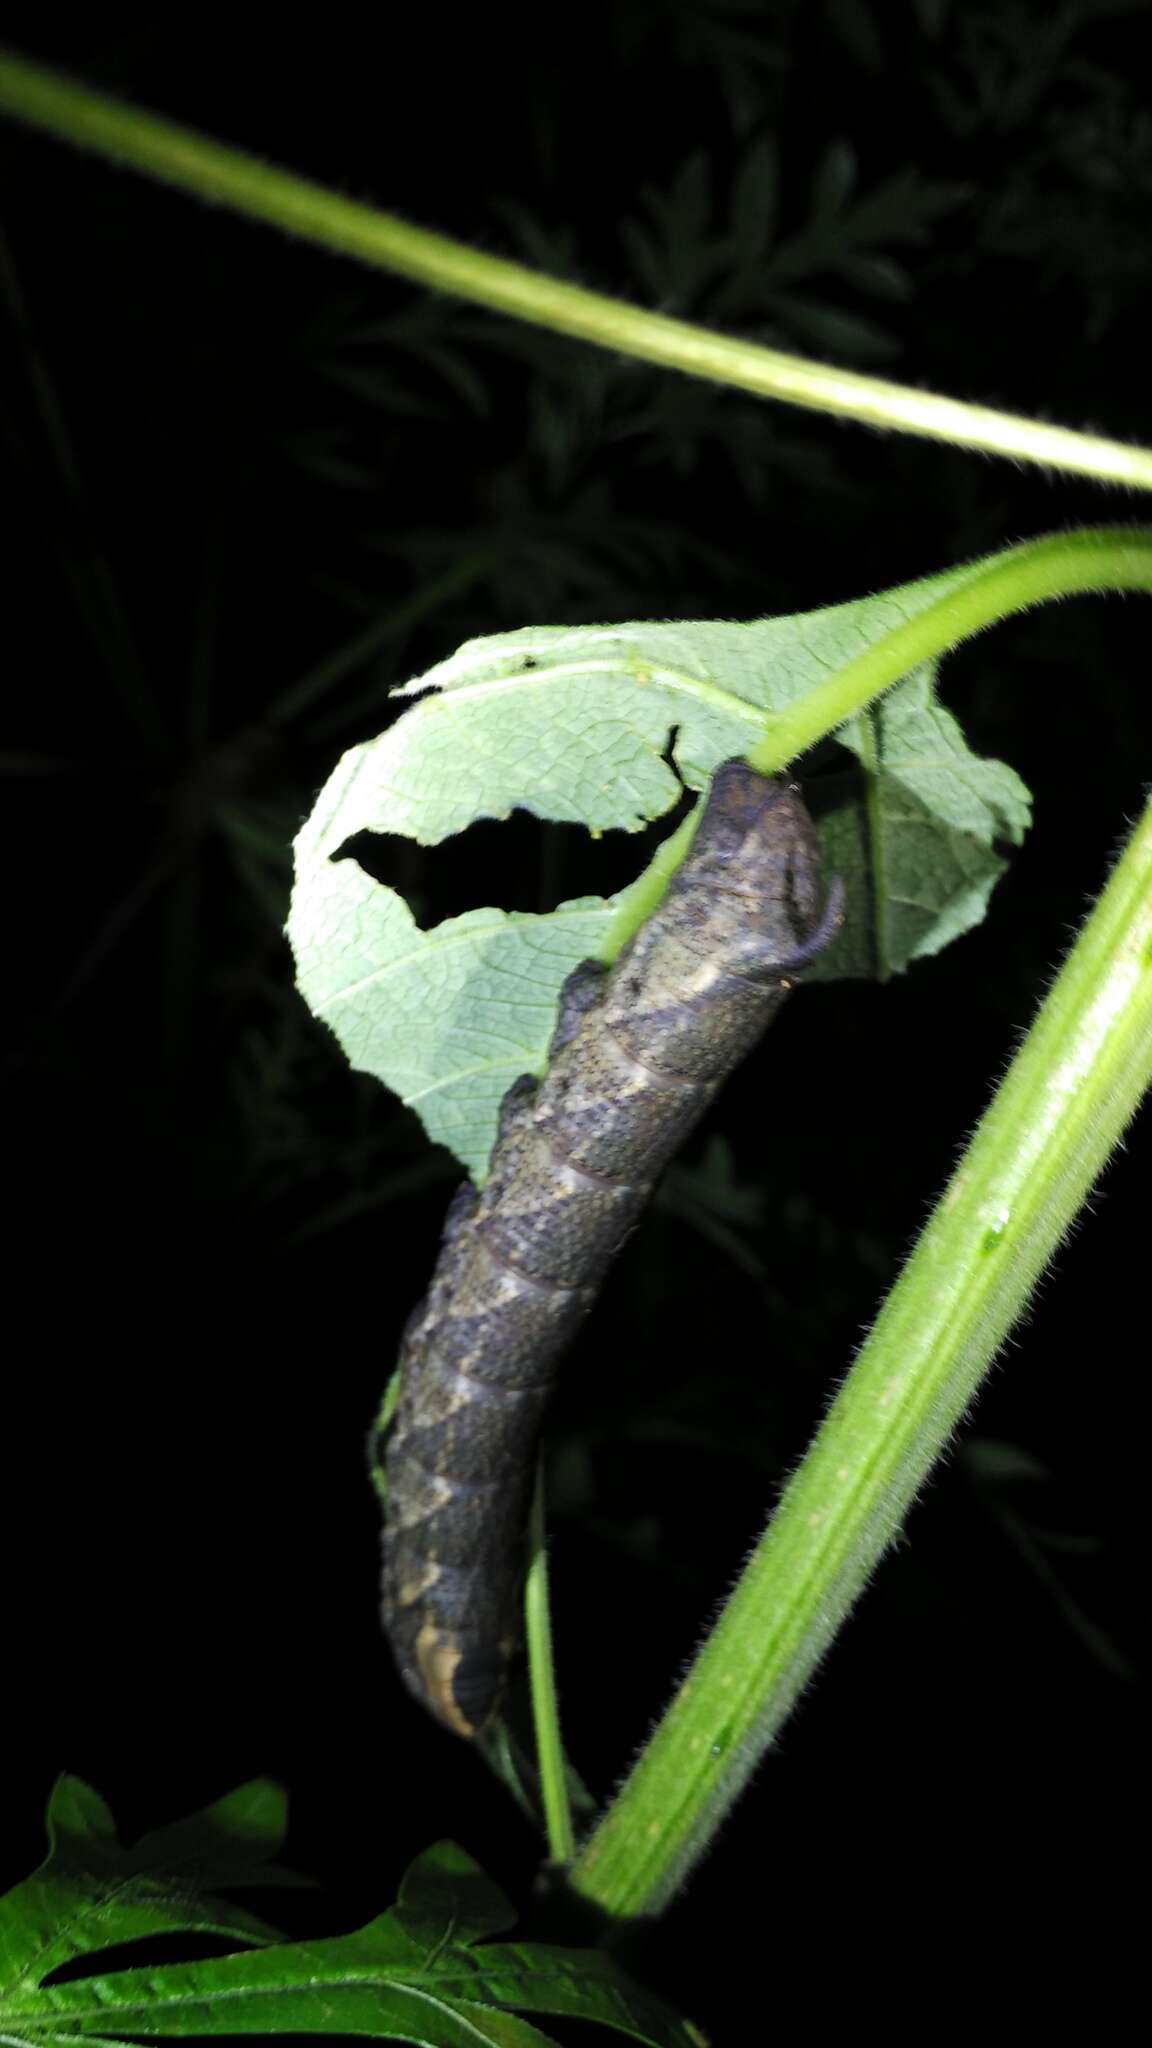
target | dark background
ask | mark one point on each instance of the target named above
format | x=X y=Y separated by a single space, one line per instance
x=233 y=463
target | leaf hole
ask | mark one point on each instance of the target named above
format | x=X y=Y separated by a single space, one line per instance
x=522 y=863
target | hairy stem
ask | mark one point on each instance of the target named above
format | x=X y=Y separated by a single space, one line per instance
x=1052 y=1125
x=1106 y=558
x=1095 y=558
x=229 y=177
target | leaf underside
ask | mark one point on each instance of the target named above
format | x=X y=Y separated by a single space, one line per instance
x=573 y=725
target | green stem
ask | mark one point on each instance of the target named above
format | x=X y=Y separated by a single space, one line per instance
x=542 y=1676
x=162 y=149
x=1100 y=559
x=639 y=901
x=1059 y=1113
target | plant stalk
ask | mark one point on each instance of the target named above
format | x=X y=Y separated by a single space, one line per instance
x=230 y=177
x=1059 y=1113
x=1096 y=559
x=542 y=1677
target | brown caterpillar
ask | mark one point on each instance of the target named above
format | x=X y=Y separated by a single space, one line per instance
x=638 y=1054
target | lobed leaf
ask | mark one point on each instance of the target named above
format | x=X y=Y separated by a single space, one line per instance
x=92 y=1893
x=425 y=1972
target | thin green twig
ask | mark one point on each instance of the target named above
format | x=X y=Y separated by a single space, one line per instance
x=545 y=1707
x=229 y=177
x=1097 y=559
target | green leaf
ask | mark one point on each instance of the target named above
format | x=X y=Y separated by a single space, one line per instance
x=377 y=1981
x=250 y=1822
x=424 y=1972
x=915 y=839
x=573 y=724
x=503 y=2029
x=91 y=1893
x=444 y=1887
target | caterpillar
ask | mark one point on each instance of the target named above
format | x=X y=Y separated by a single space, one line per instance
x=638 y=1053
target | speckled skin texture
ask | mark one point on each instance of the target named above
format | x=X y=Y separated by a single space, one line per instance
x=637 y=1056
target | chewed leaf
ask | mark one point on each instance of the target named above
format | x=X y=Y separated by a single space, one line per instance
x=914 y=835
x=573 y=724
x=449 y=1017
x=571 y=721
